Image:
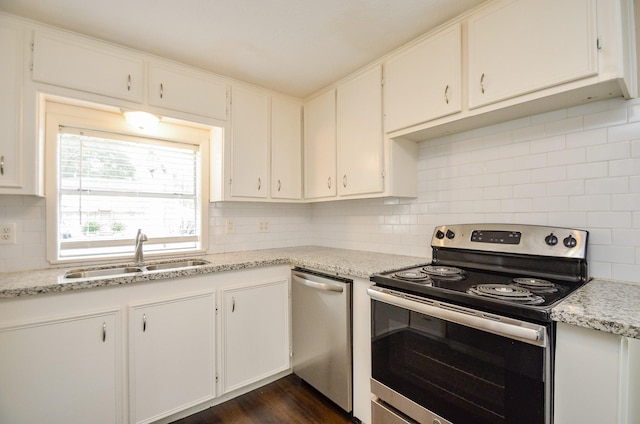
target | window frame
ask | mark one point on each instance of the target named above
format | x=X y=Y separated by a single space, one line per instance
x=111 y=120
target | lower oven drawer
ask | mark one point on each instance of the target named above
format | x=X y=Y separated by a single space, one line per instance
x=380 y=414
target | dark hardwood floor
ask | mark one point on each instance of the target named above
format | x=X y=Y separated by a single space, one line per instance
x=288 y=400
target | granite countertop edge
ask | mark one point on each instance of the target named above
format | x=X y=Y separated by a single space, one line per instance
x=605 y=305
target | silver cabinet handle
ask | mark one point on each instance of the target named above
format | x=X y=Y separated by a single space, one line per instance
x=279 y=185
x=104 y=332
x=161 y=90
x=1 y=165
x=317 y=284
x=446 y=94
x=259 y=184
x=129 y=82
x=233 y=304
x=329 y=182
x=344 y=180
x=144 y=323
x=482 y=83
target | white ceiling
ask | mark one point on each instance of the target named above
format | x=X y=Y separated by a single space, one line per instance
x=292 y=46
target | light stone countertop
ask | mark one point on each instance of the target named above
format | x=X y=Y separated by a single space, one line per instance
x=609 y=306
x=343 y=262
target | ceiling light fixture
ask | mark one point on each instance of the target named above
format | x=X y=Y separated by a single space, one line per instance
x=141 y=120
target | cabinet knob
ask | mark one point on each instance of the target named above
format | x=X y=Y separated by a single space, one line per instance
x=446 y=94
x=482 y=83
x=329 y=182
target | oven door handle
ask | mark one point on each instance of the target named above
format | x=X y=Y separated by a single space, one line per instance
x=514 y=329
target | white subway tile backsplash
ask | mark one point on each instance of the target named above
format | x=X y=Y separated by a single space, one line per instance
x=577 y=167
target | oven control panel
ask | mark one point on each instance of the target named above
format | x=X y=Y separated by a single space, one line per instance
x=513 y=238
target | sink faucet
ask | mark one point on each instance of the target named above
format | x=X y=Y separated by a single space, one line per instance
x=140 y=238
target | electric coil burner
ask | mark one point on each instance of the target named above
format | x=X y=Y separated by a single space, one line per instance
x=518 y=270
x=469 y=338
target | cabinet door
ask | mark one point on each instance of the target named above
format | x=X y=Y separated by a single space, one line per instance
x=249 y=143
x=286 y=149
x=320 y=146
x=522 y=46
x=87 y=66
x=11 y=45
x=255 y=338
x=424 y=83
x=187 y=90
x=62 y=371
x=172 y=356
x=359 y=134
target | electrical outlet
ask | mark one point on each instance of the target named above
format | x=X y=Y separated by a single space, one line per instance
x=8 y=233
x=263 y=226
x=229 y=226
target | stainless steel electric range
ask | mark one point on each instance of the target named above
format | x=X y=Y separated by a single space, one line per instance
x=469 y=338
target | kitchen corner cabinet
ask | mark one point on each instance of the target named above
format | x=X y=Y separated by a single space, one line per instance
x=249 y=143
x=255 y=332
x=424 y=82
x=520 y=47
x=360 y=149
x=172 y=356
x=85 y=65
x=286 y=148
x=596 y=377
x=61 y=371
x=11 y=71
x=320 y=147
x=187 y=90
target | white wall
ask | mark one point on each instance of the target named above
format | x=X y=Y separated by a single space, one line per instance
x=577 y=167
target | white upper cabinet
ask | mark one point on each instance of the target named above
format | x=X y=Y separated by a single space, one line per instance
x=359 y=134
x=84 y=65
x=320 y=146
x=11 y=161
x=249 y=143
x=187 y=90
x=286 y=148
x=424 y=82
x=524 y=46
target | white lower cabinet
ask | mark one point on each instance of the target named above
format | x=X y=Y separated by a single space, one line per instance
x=172 y=356
x=61 y=371
x=255 y=332
x=596 y=377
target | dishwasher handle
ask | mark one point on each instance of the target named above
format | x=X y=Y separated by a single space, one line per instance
x=304 y=279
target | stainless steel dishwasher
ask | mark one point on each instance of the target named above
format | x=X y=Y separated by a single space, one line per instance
x=322 y=343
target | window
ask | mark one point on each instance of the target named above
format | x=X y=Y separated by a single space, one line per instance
x=107 y=181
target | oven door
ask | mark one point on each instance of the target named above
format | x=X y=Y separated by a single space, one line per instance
x=436 y=362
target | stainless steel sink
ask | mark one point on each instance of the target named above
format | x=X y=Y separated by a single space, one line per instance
x=119 y=270
x=175 y=265
x=106 y=272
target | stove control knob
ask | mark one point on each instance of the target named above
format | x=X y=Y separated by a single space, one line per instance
x=570 y=241
x=450 y=234
x=551 y=239
x=439 y=235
